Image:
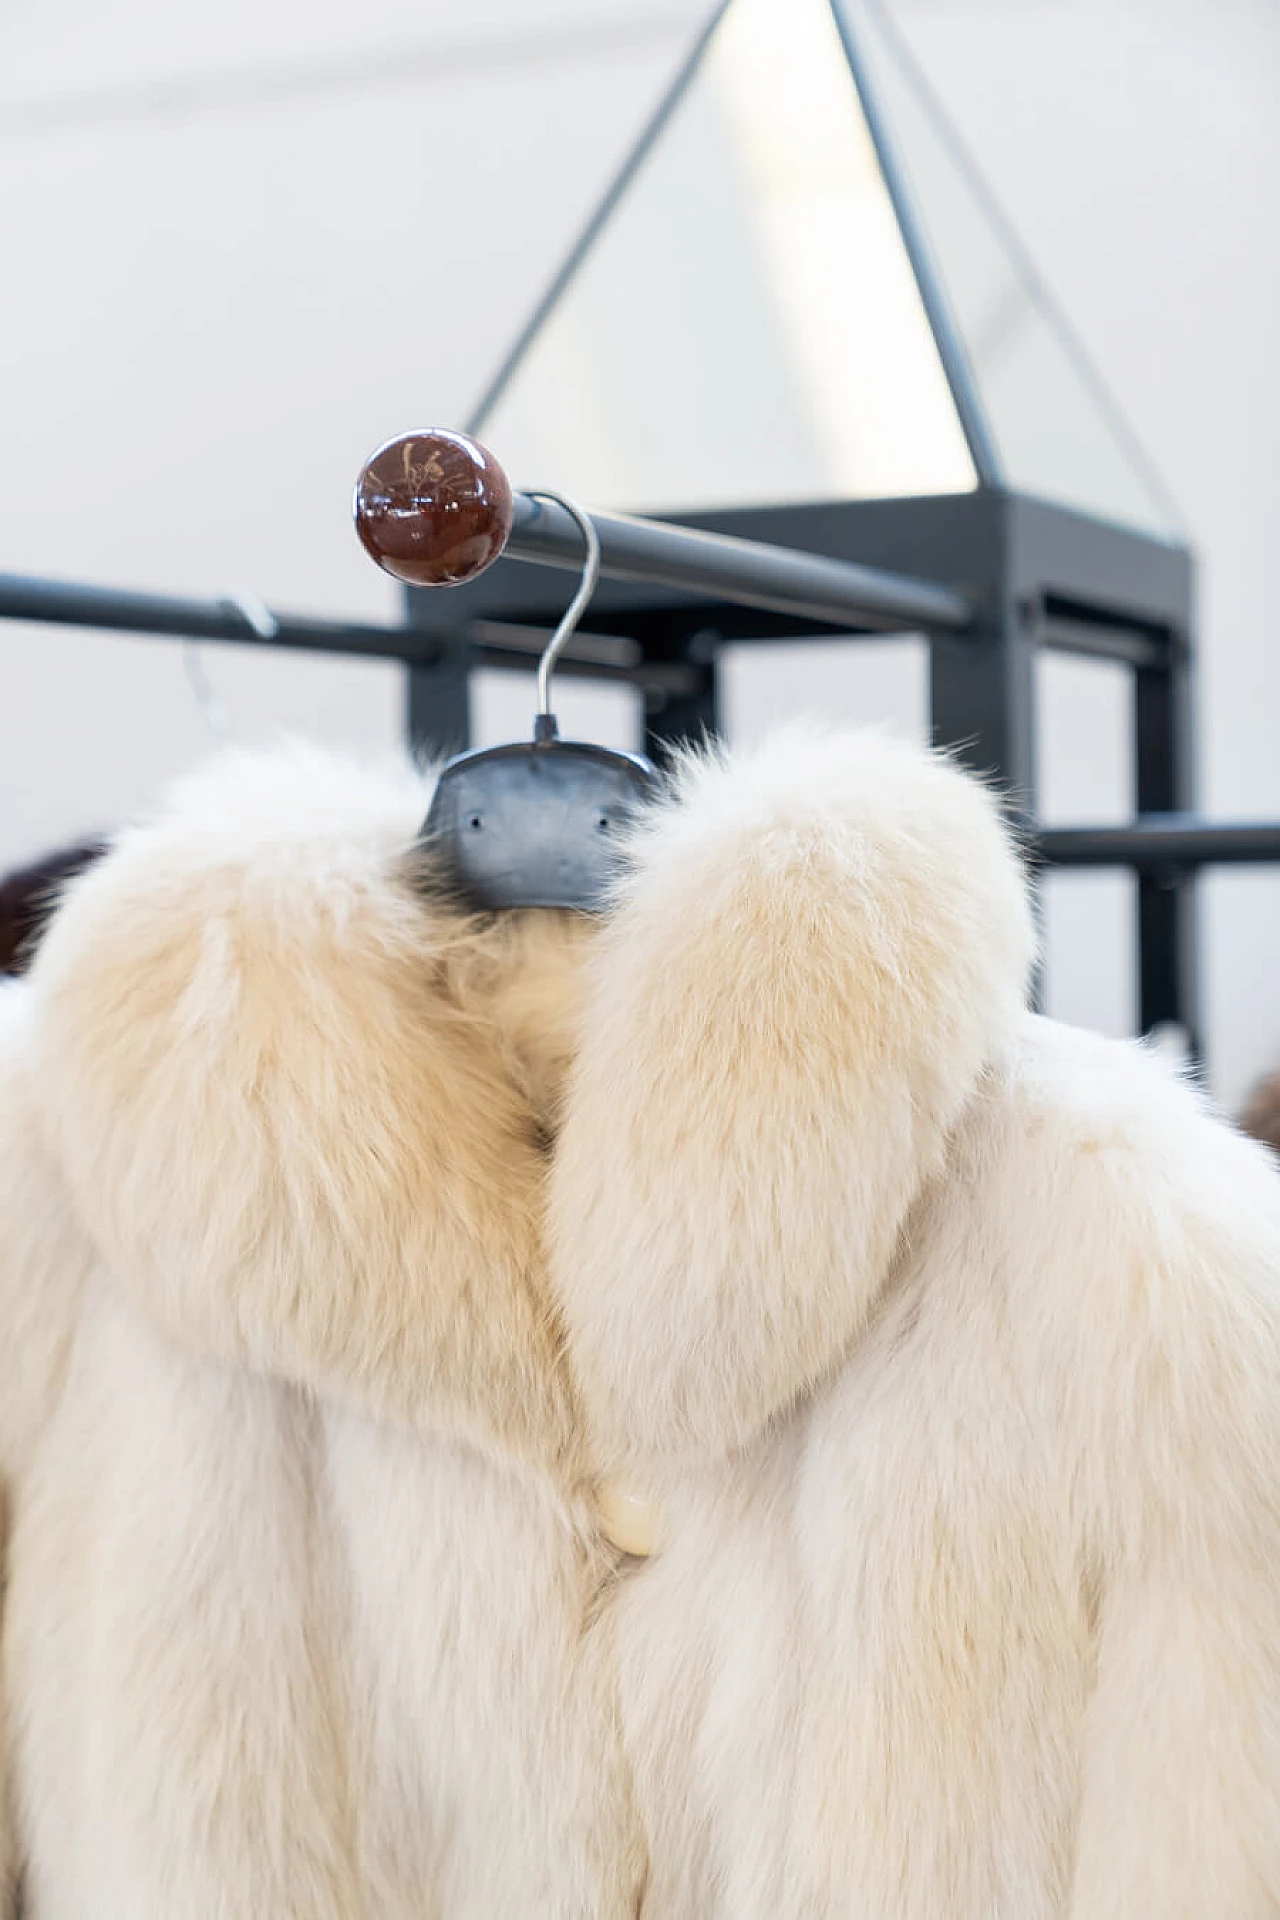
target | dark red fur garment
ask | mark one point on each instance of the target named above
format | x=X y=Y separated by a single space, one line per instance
x=29 y=895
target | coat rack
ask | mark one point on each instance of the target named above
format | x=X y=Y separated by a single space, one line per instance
x=661 y=579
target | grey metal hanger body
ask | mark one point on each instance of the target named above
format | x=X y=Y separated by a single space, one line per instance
x=536 y=823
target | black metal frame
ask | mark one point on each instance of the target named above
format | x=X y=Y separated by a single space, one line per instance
x=998 y=579
x=1035 y=576
x=964 y=388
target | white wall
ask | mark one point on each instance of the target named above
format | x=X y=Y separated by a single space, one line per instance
x=242 y=243
x=1136 y=146
x=239 y=245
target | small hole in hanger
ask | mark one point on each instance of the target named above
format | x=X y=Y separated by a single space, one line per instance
x=475 y=822
x=603 y=823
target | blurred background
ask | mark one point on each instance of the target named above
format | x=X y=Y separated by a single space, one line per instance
x=243 y=243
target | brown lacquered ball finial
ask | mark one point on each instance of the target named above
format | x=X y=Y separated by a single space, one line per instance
x=433 y=508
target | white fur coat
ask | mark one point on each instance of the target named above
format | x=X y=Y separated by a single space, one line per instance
x=355 y=1259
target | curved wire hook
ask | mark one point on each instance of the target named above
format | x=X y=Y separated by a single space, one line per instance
x=260 y=620
x=545 y=726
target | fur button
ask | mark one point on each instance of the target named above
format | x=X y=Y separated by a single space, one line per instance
x=628 y=1520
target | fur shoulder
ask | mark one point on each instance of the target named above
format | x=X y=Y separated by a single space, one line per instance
x=1135 y=1238
x=45 y=1263
x=281 y=1118
x=816 y=952
x=45 y=1255
x=1145 y=1232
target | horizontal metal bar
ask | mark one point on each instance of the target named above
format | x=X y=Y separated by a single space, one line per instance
x=67 y=604
x=63 y=603
x=1129 y=646
x=747 y=573
x=591 y=656
x=608 y=649
x=1155 y=840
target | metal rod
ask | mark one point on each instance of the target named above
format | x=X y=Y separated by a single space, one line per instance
x=1129 y=646
x=747 y=573
x=68 y=604
x=62 y=603
x=1166 y=896
x=1176 y=840
x=952 y=350
x=599 y=219
x=1036 y=288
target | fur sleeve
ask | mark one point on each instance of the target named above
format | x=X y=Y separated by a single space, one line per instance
x=1162 y=1365
x=44 y=1262
x=45 y=1255
x=294 y=1149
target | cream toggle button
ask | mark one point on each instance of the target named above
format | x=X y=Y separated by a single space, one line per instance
x=628 y=1520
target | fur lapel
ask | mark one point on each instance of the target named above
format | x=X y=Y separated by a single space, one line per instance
x=304 y=1110
x=298 y=1103
x=817 y=950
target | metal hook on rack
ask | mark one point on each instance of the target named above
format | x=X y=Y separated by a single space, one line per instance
x=261 y=622
x=544 y=726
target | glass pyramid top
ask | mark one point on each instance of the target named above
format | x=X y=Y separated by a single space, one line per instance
x=799 y=291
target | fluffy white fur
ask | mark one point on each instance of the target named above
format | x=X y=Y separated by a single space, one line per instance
x=946 y=1341
x=302 y=1561
x=949 y=1343
x=44 y=1264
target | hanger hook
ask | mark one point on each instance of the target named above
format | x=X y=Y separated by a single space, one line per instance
x=545 y=725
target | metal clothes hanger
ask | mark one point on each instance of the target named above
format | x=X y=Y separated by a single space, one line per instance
x=259 y=619
x=532 y=823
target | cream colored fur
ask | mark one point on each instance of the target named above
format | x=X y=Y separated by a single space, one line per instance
x=44 y=1264
x=946 y=1341
x=302 y=1566
x=949 y=1343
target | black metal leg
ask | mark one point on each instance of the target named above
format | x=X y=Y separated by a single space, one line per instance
x=983 y=706
x=438 y=702
x=692 y=713
x=1167 y=984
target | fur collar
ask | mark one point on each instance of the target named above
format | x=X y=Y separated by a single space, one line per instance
x=304 y=1109
x=819 y=948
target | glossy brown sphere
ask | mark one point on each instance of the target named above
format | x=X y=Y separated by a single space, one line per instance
x=433 y=508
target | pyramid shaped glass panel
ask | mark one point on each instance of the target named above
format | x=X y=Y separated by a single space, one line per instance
x=799 y=292
x=1055 y=430
x=741 y=326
